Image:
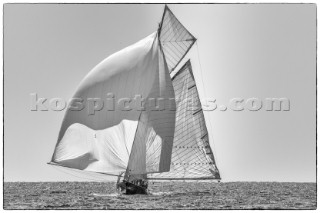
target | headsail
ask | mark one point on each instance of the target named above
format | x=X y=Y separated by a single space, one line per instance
x=176 y=40
x=192 y=157
x=101 y=141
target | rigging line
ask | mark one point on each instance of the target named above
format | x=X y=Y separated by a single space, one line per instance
x=98 y=176
x=178 y=153
x=204 y=90
x=193 y=117
x=200 y=168
x=187 y=157
x=185 y=152
x=176 y=41
x=184 y=128
x=172 y=27
x=179 y=31
x=155 y=151
x=172 y=53
x=200 y=70
x=69 y=173
x=200 y=141
x=184 y=116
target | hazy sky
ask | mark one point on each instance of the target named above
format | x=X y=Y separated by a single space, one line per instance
x=246 y=50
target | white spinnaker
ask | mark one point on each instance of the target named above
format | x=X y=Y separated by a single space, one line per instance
x=101 y=142
x=103 y=151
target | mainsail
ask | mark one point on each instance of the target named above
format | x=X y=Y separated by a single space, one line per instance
x=192 y=157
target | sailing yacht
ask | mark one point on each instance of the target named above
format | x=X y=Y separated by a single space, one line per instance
x=148 y=142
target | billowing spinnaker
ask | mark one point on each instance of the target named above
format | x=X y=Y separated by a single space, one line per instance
x=192 y=157
x=99 y=138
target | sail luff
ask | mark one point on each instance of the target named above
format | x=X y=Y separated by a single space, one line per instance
x=152 y=146
x=161 y=23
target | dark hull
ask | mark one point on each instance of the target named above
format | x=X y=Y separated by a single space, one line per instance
x=131 y=189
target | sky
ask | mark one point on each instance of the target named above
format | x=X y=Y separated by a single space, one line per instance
x=243 y=51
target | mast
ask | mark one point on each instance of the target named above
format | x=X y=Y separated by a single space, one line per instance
x=174 y=42
x=152 y=146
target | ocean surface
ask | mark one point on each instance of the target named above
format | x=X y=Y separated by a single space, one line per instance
x=166 y=195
